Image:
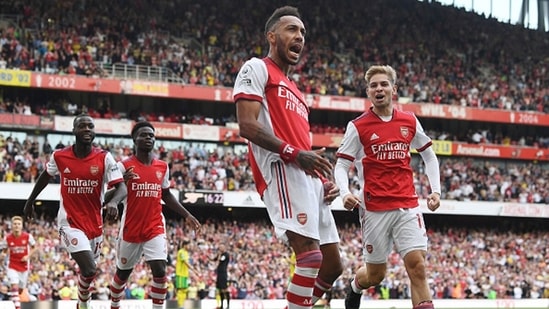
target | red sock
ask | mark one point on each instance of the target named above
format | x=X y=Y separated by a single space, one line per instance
x=300 y=290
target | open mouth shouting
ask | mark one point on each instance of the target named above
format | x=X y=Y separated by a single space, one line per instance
x=295 y=51
x=380 y=97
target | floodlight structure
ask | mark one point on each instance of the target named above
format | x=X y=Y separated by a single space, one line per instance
x=543 y=14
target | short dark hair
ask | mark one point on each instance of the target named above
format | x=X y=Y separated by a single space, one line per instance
x=281 y=11
x=139 y=125
x=77 y=117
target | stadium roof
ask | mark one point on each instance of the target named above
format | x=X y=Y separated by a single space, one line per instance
x=532 y=14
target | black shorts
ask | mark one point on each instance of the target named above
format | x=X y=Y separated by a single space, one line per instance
x=221 y=283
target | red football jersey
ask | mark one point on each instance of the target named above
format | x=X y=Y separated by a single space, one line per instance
x=83 y=185
x=142 y=219
x=284 y=110
x=381 y=152
x=18 y=247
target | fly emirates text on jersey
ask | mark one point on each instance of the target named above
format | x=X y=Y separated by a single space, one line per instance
x=80 y=186
x=146 y=189
x=293 y=103
x=390 y=150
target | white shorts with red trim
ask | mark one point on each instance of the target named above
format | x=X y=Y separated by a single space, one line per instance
x=295 y=202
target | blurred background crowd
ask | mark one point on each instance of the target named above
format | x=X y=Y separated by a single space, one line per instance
x=195 y=167
x=465 y=260
x=443 y=55
x=471 y=61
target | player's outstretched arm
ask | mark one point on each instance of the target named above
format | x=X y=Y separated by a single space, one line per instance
x=173 y=204
x=40 y=184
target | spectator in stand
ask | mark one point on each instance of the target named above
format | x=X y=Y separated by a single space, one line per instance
x=59 y=145
x=46 y=148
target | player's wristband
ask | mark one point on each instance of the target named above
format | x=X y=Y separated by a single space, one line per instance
x=287 y=152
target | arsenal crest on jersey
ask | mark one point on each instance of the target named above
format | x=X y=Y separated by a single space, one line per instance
x=158 y=175
x=302 y=218
x=94 y=169
x=404 y=131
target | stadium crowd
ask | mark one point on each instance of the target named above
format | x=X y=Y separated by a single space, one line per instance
x=220 y=167
x=474 y=262
x=471 y=61
x=478 y=134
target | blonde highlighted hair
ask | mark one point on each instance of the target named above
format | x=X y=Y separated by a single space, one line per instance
x=381 y=69
x=16 y=218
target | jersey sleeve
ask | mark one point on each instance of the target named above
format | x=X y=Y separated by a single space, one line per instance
x=420 y=141
x=51 y=166
x=251 y=80
x=121 y=167
x=166 y=179
x=32 y=241
x=113 y=175
x=350 y=143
